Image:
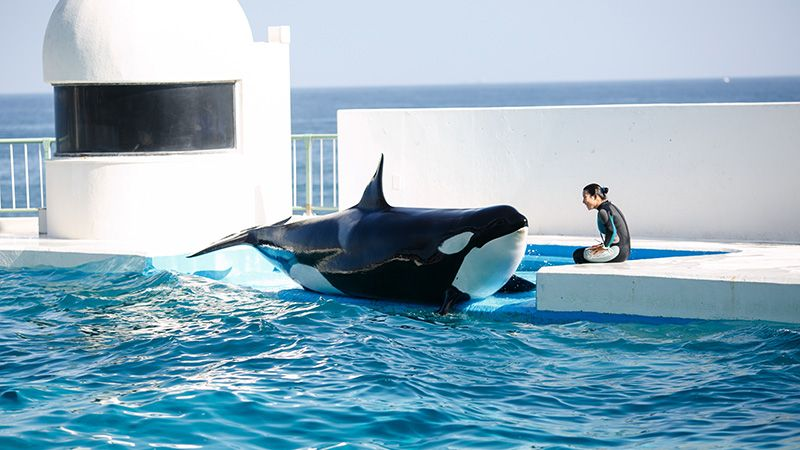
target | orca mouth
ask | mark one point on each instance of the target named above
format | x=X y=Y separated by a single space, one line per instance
x=522 y=222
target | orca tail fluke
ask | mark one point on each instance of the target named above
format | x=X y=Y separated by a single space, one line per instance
x=229 y=241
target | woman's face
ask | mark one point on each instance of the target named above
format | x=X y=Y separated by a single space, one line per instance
x=591 y=201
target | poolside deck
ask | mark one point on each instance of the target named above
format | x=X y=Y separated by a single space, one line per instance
x=748 y=282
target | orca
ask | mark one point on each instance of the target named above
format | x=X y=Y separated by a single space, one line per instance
x=374 y=250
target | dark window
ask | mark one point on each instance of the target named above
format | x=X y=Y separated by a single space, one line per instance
x=144 y=118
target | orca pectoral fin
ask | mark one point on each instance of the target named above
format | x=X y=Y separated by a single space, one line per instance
x=451 y=297
x=517 y=284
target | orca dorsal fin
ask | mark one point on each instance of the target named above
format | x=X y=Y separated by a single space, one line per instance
x=281 y=222
x=373 y=198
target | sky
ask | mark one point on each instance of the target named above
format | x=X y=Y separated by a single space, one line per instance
x=434 y=42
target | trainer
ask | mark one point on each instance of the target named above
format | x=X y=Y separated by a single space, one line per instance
x=616 y=246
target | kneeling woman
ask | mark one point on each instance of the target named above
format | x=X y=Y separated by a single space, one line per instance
x=616 y=246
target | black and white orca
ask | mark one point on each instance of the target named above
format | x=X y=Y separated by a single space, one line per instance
x=374 y=250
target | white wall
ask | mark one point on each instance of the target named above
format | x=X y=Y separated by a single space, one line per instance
x=152 y=199
x=266 y=130
x=706 y=172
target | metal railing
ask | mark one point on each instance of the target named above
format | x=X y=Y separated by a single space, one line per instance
x=22 y=178
x=315 y=172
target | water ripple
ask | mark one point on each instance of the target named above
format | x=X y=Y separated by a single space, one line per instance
x=171 y=361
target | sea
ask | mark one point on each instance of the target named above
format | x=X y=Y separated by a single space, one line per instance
x=164 y=360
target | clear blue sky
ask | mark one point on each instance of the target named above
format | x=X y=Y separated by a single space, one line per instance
x=373 y=42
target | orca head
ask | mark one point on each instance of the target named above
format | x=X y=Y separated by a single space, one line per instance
x=495 y=222
x=484 y=225
x=493 y=250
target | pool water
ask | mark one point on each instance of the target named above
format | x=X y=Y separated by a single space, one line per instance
x=167 y=360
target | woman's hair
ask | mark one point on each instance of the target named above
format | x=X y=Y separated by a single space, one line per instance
x=596 y=190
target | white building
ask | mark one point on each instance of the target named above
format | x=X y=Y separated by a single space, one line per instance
x=171 y=122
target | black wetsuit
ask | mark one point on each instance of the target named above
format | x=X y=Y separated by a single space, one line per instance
x=614 y=229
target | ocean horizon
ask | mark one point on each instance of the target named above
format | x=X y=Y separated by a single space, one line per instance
x=314 y=108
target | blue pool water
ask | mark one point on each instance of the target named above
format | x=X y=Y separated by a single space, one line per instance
x=165 y=360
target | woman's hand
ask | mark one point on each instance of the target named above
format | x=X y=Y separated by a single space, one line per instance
x=595 y=248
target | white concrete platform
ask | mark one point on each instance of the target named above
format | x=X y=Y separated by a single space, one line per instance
x=748 y=282
x=26 y=249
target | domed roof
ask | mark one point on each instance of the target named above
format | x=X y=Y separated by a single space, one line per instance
x=144 y=41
